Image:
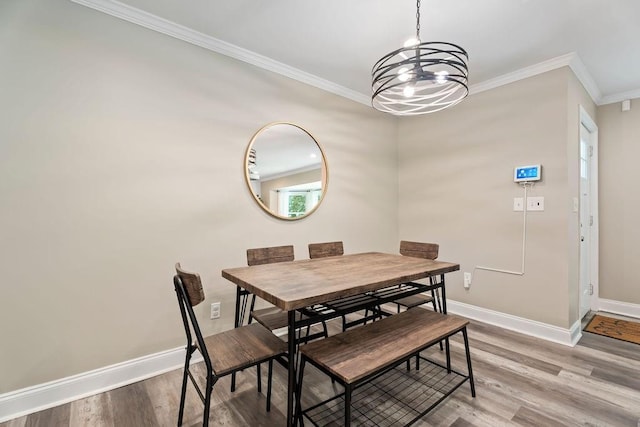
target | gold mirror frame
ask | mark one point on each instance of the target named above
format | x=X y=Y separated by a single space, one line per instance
x=268 y=137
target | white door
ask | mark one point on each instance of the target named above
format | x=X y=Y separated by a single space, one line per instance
x=588 y=214
x=585 y=221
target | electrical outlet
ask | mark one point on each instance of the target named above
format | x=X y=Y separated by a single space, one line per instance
x=215 y=310
x=467 y=280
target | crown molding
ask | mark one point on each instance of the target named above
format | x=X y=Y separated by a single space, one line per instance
x=583 y=75
x=161 y=25
x=571 y=60
x=619 y=97
x=533 y=70
x=581 y=72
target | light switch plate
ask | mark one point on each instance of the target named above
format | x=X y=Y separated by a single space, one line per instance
x=535 y=203
x=518 y=204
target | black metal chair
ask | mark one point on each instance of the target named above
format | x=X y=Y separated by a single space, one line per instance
x=329 y=249
x=273 y=318
x=426 y=251
x=224 y=353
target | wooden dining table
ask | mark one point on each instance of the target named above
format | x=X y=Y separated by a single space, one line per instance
x=298 y=285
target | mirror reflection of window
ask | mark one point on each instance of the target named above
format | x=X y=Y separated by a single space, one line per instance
x=286 y=170
x=297 y=201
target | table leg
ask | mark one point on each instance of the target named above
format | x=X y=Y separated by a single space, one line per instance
x=444 y=295
x=347 y=405
x=237 y=318
x=236 y=324
x=292 y=367
x=444 y=311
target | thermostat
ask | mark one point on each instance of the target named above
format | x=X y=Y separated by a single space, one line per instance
x=527 y=173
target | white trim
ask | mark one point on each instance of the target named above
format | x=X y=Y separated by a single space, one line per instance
x=161 y=25
x=619 y=307
x=594 y=250
x=581 y=72
x=164 y=26
x=533 y=70
x=42 y=396
x=571 y=60
x=575 y=333
x=619 y=97
x=568 y=337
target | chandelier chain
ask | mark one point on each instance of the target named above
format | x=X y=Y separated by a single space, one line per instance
x=418 y=20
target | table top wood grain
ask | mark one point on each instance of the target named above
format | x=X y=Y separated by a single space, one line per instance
x=297 y=284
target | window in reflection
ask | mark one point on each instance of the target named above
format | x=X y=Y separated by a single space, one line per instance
x=296 y=201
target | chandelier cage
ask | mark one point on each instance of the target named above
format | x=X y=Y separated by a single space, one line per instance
x=420 y=78
x=254 y=175
x=252 y=159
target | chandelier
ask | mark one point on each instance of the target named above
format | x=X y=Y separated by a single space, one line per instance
x=420 y=78
x=251 y=165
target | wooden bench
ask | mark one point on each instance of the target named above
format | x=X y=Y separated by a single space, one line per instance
x=363 y=354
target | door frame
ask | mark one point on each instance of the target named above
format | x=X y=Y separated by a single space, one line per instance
x=594 y=253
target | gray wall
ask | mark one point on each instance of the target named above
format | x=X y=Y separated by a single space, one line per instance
x=121 y=153
x=457 y=189
x=619 y=134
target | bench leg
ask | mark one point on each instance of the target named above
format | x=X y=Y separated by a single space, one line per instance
x=298 y=412
x=466 y=347
x=347 y=405
x=269 y=377
x=448 y=353
x=259 y=378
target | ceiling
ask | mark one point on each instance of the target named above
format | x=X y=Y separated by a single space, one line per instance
x=283 y=149
x=334 y=43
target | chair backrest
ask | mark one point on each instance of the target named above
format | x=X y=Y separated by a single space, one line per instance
x=192 y=285
x=419 y=250
x=258 y=256
x=189 y=290
x=321 y=250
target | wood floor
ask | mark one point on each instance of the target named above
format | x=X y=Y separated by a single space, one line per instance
x=520 y=381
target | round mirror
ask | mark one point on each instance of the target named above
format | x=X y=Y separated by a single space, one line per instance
x=286 y=170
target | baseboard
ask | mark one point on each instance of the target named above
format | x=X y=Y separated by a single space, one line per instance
x=568 y=337
x=36 y=398
x=42 y=396
x=618 y=307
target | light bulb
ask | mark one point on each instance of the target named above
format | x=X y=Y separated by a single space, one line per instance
x=403 y=74
x=413 y=41
x=408 y=91
x=441 y=76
